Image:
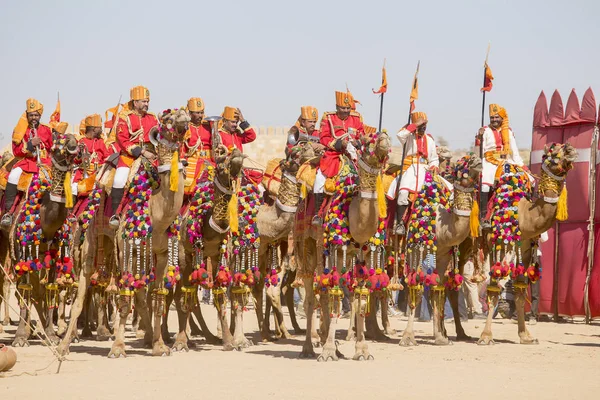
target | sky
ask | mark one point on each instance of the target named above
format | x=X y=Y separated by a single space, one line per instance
x=270 y=57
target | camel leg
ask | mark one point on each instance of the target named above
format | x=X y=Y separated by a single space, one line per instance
x=438 y=297
x=486 y=336
x=461 y=336
x=118 y=348
x=102 y=331
x=408 y=336
x=87 y=331
x=361 y=346
x=239 y=340
x=210 y=338
x=373 y=331
x=352 y=325
x=309 y=309
x=274 y=294
x=62 y=305
x=49 y=327
x=6 y=295
x=221 y=304
x=385 y=318
x=183 y=317
x=23 y=330
x=289 y=300
x=329 y=347
x=165 y=325
x=524 y=335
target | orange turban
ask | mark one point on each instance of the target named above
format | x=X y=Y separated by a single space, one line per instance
x=418 y=114
x=61 y=127
x=139 y=93
x=495 y=109
x=93 y=120
x=33 y=105
x=343 y=99
x=309 y=112
x=195 y=104
x=230 y=113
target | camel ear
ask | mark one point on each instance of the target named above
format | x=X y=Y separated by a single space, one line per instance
x=545 y=148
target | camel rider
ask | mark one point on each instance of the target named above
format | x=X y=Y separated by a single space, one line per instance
x=94 y=155
x=420 y=156
x=197 y=143
x=338 y=130
x=304 y=130
x=499 y=145
x=31 y=142
x=234 y=132
x=133 y=129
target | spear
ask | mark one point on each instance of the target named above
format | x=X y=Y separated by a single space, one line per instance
x=382 y=90
x=487 y=86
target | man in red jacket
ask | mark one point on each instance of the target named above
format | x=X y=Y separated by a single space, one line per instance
x=197 y=144
x=338 y=130
x=132 y=134
x=31 y=142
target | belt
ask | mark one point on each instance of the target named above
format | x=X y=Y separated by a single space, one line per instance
x=415 y=160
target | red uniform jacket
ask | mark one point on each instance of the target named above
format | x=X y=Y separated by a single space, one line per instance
x=197 y=137
x=28 y=163
x=132 y=134
x=98 y=154
x=332 y=129
x=237 y=139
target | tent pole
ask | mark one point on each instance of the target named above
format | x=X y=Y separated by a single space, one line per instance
x=591 y=233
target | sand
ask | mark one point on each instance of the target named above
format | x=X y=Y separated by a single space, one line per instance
x=565 y=365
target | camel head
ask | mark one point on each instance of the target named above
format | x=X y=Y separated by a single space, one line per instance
x=375 y=148
x=296 y=156
x=558 y=159
x=174 y=124
x=64 y=148
x=229 y=164
x=466 y=171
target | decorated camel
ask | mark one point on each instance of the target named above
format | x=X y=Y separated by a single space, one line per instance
x=32 y=238
x=432 y=244
x=204 y=230
x=142 y=240
x=363 y=212
x=517 y=223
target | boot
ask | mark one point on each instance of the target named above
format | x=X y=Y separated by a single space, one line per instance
x=10 y=193
x=319 y=197
x=485 y=224
x=116 y=195
x=400 y=210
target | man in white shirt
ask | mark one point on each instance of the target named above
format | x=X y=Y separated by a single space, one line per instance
x=420 y=156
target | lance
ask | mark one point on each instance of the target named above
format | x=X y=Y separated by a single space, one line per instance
x=383 y=82
x=485 y=67
x=414 y=85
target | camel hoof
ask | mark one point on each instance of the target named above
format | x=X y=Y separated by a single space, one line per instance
x=228 y=347
x=363 y=357
x=444 y=341
x=408 y=341
x=53 y=340
x=243 y=345
x=306 y=354
x=463 y=338
x=117 y=352
x=299 y=332
x=20 y=342
x=161 y=350
x=390 y=332
x=328 y=354
x=60 y=332
x=75 y=339
x=529 y=340
x=62 y=350
x=316 y=344
x=180 y=346
x=485 y=341
x=140 y=334
x=351 y=337
x=86 y=334
x=6 y=321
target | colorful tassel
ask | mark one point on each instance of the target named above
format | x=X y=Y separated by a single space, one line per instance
x=562 y=212
x=303 y=191
x=381 y=199
x=68 y=190
x=174 y=178
x=474 y=219
x=233 y=210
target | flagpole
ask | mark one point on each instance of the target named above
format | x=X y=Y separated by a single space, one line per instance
x=117 y=117
x=381 y=104
x=485 y=67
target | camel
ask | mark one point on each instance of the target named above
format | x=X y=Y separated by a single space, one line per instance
x=203 y=243
x=363 y=217
x=452 y=228
x=534 y=218
x=164 y=205
x=38 y=288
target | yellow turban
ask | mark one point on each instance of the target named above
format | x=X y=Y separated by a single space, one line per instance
x=418 y=114
x=61 y=127
x=195 y=104
x=309 y=112
x=93 y=120
x=369 y=130
x=33 y=105
x=343 y=99
x=230 y=113
x=139 y=93
x=495 y=109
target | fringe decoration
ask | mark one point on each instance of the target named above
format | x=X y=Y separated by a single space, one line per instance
x=68 y=190
x=381 y=199
x=562 y=212
x=174 y=178
x=232 y=209
x=474 y=219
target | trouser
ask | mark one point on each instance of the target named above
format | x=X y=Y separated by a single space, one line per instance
x=15 y=175
x=535 y=298
x=346 y=300
x=319 y=185
x=121 y=176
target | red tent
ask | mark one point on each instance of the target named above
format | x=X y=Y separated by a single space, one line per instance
x=571 y=258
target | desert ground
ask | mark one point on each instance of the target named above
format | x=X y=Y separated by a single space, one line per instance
x=565 y=365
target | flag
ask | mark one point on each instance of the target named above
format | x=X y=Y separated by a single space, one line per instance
x=55 y=117
x=487 y=80
x=115 y=112
x=414 y=93
x=383 y=88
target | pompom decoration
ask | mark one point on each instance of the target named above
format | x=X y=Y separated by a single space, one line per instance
x=88 y=214
x=380 y=238
x=337 y=227
x=137 y=217
x=454 y=279
x=246 y=239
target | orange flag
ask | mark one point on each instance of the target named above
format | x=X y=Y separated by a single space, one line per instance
x=383 y=88
x=115 y=112
x=487 y=80
x=55 y=117
x=414 y=93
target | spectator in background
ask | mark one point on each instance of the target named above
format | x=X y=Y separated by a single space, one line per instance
x=535 y=286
